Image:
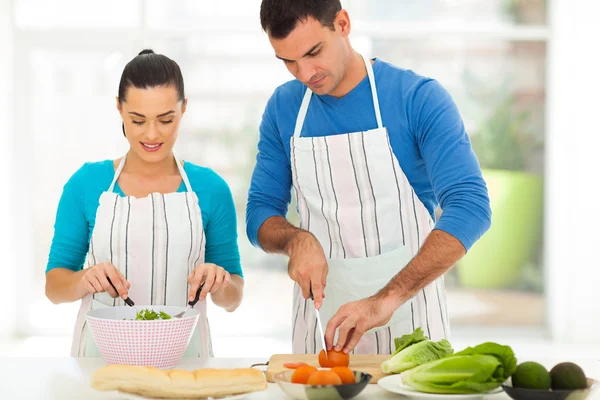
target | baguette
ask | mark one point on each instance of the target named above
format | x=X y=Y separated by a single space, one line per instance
x=178 y=383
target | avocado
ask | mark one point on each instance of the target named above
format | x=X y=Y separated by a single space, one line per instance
x=568 y=376
x=531 y=375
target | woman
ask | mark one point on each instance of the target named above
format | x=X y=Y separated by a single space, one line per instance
x=154 y=226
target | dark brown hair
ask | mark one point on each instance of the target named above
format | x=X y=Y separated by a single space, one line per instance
x=279 y=17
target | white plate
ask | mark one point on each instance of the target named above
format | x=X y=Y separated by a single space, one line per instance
x=394 y=384
x=130 y=396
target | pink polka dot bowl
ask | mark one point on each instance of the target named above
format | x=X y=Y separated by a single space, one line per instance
x=159 y=343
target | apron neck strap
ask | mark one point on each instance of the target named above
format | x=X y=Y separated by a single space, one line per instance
x=302 y=113
x=117 y=173
x=307 y=95
x=184 y=176
x=373 y=91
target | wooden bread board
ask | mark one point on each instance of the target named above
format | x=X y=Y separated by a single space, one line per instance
x=367 y=363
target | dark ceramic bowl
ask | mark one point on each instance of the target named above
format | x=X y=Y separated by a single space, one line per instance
x=538 y=394
x=299 y=391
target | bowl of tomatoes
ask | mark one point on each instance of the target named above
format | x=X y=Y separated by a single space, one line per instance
x=332 y=380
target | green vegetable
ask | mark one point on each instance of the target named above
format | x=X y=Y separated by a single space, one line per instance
x=476 y=369
x=408 y=340
x=149 y=315
x=504 y=354
x=531 y=375
x=415 y=349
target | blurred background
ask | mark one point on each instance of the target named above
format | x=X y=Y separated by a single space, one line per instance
x=524 y=74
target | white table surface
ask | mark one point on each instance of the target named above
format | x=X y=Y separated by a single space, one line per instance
x=68 y=378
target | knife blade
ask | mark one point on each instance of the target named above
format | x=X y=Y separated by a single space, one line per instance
x=318 y=315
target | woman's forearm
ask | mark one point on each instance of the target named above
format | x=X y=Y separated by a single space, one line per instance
x=64 y=285
x=230 y=297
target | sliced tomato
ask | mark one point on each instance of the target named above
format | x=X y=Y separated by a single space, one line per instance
x=294 y=365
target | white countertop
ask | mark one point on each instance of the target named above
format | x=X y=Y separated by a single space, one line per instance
x=68 y=378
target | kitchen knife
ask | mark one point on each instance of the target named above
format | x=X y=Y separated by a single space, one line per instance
x=191 y=303
x=127 y=301
x=319 y=324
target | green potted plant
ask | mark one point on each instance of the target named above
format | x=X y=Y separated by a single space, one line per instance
x=526 y=12
x=504 y=144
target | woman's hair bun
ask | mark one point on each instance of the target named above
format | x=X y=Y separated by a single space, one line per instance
x=146 y=51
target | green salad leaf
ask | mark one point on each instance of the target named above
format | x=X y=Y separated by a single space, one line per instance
x=408 y=340
x=150 y=315
x=476 y=369
x=415 y=349
x=505 y=354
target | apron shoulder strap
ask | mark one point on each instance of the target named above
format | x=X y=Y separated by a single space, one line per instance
x=373 y=91
x=184 y=176
x=117 y=173
x=302 y=113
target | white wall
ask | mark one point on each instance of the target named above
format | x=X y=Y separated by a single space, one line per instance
x=573 y=172
x=7 y=265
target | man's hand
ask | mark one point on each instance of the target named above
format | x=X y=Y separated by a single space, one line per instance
x=437 y=255
x=355 y=318
x=308 y=266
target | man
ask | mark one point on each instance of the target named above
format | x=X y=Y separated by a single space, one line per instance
x=371 y=150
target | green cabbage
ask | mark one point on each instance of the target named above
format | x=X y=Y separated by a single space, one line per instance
x=413 y=350
x=476 y=369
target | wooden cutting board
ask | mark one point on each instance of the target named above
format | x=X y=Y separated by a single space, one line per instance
x=367 y=363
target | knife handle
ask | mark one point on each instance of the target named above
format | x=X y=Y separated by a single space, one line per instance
x=193 y=302
x=127 y=301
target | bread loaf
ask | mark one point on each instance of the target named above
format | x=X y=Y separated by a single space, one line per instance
x=178 y=383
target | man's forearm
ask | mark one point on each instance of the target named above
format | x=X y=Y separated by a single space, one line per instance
x=437 y=255
x=276 y=234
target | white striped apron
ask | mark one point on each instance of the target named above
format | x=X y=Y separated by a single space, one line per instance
x=155 y=241
x=356 y=200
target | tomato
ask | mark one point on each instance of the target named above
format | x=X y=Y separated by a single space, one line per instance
x=333 y=359
x=324 y=377
x=345 y=374
x=302 y=374
x=294 y=365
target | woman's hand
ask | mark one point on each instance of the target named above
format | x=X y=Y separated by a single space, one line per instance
x=96 y=280
x=213 y=276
